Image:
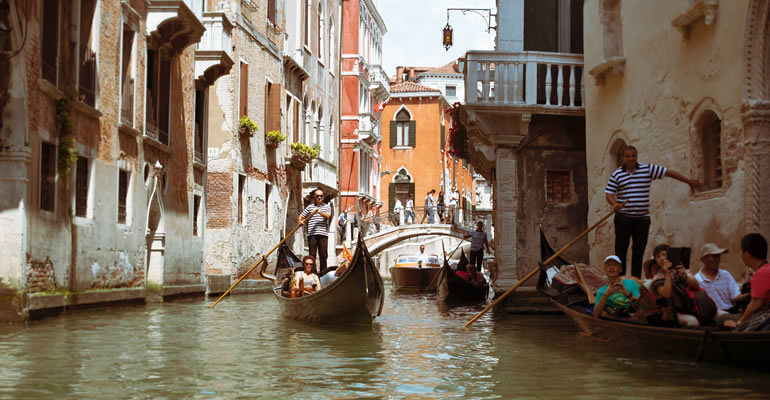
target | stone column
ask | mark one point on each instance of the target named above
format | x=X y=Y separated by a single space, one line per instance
x=756 y=121
x=510 y=25
x=506 y=196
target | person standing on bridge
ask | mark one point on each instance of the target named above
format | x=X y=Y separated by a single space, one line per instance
x=317 y=227
x=409 y=212
x=478 y=242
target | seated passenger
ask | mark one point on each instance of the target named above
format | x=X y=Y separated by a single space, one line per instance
x=719 y=284
x=754 y=255
x=330 y=276
x=652 y=266
x=616 y=296
x=306 y=282
x=669 y=283
x=475 y=277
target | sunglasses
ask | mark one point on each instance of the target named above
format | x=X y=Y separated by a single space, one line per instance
x=310 y=264
x=319 y=195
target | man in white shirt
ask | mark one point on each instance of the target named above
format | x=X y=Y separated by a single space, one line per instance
x=478 y=241
x=453 y=197
x=409 y=211
x=718 y=283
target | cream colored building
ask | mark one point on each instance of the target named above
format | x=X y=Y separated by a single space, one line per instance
x=686 y=83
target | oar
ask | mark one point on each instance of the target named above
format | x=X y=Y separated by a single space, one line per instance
x=591 y=298
x=263 y=259
x=439 y=273
x=536 y=270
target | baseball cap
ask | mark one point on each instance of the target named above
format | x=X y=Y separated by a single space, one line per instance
x=711 y=248
x=613 y=258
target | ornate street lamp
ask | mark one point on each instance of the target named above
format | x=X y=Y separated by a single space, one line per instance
x=447 y=36
x=447 y=33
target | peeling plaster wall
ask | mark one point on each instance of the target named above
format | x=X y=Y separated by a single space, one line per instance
x=654 y=106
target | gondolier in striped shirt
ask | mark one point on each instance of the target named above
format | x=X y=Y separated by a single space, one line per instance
x=631 y=183
x=317 y=227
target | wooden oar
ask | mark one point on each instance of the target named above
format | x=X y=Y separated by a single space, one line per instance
x=536 y=270
x=591 y=298
x=263 y=259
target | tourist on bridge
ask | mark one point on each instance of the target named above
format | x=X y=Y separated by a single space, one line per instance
x=317 y=227
x=440 y=207
x=430 y=206
x=453 y=197
x=631 y=183
x=342 y=223
x=478 y=242
x=409 y=212
x=396 y=215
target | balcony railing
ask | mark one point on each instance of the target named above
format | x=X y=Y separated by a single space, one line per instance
x=320 y=172
x=87 y=84
x=368 y=127
x=526 y=78
x=380 y=83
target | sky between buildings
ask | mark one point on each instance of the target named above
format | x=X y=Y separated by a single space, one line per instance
x=414 y=31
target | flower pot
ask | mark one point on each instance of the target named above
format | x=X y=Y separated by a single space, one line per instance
x=244 y=130
x=299 y=161
x=271 y=144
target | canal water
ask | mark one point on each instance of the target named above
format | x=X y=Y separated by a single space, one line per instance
x=416 y=350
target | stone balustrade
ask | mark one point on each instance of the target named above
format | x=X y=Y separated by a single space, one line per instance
x=527 y=78
x=379 y=82
x=320 y=173
x=218 y=34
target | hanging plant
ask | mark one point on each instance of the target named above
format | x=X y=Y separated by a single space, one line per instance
x=458 y=135
x=67 y=154
x=247 y=126
x=274 y=137
x=304 y=151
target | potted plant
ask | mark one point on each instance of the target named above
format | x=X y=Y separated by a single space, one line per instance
x=274 y=138
x=247 y=126
x=301 y=153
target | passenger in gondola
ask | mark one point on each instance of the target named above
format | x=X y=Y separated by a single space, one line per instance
x=652 y=266
x=754 y=255
x=475 y=277
x=719 y=284
x=331 y=276
x=616 y=297
x=673 y=283
x=306 y=282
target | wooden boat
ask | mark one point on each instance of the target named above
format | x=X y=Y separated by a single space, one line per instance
x=745 y=349
x=457 y=291
x=355 y=297
x=414 y=272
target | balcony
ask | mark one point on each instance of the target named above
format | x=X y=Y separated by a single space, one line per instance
x=172 y=22
x=212 y=56
x=379 y=83
x=529 y=82
x=320 y=173
x=368 y=128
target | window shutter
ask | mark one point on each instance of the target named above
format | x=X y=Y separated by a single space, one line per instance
x=411 y=190
x=393 y=134
x=412 y=133
x=443 y=139
x=391 y=196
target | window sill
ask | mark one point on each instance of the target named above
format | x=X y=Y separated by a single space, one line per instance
x=199 y=166
x=50 y=89
x=157 y=144
x=82 y=221
x=47 y=215
x=129 y=130
x=710 y=194
x=307 y=49
x=321 y=63
x=123 y=226
x=616 y=65
x=402 y=148
x=87 y=110
x=706 y=9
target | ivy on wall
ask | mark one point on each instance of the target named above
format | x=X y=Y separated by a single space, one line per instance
x=68 y=155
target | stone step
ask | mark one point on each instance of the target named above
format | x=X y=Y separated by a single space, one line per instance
x=527 y=300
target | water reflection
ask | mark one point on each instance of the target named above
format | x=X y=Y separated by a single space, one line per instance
x=416 y=350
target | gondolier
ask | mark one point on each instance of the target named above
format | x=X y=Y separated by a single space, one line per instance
x=630 y=183
x=317 y=227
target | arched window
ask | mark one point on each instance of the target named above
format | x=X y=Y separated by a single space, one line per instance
x=332 y=57
x=403 y=129
x=709 y=129
x=401 y=187
x=320 y=32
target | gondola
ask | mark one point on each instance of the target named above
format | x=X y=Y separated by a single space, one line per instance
x=457 y=291
x=415 y=272
x=355 y=297
x=744 y=349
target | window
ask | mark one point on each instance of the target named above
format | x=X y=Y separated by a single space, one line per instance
x=402 y=130
x=199 y=126
x=50 y=41
x=307 y=23
x=609 y=14
x=241 y=189
x=244 y=90
x=710 y=130
x=87 y=56
x=81 y=187
x=272 y=107
x=158 y=92
x=196 y=214
x=268 y=188
x=47 y=177
x=332 y=57
x=127 y=74
x=321 y=35
x=123 y=180
x=451 y=91
x=557 y=186
x=271 y=12
x=401 y=188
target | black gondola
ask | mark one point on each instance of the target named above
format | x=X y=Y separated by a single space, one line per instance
x=455 y=290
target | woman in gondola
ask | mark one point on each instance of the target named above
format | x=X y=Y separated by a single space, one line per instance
x=306 y=281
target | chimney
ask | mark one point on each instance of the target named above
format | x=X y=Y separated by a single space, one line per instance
x=410 y=73
x=399 y=74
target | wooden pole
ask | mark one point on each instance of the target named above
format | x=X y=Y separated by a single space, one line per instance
x=589 y=293
x=263 y=259
x=534 y=271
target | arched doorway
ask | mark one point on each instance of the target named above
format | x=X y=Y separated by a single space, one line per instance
x=155 y=237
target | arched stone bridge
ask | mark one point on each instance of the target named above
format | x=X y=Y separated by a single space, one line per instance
x=390 y=236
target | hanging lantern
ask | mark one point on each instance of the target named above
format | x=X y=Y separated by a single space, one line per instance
x=447 y=36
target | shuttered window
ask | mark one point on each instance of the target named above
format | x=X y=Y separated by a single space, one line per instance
x=403 y=130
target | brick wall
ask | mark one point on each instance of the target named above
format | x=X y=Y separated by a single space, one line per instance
x=219 y=203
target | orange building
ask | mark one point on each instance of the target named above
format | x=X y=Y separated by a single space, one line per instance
x=414 y=149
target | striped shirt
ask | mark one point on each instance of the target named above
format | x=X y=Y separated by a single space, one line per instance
x=634 y=187
x=317 y=225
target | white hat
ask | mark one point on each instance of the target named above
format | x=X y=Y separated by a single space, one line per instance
x=613 y=258
x=711 y=248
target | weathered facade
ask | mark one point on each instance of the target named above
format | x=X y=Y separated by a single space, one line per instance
x=685 y=83
x=526 y=130
x=285 y=80
x=101 y=185
x=364 y=87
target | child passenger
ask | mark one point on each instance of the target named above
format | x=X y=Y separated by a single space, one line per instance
x=616 y=296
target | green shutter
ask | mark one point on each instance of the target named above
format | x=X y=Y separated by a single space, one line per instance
x=391 y=196
x=412 y=133
x=393 y=134
x=443 y=139
x=465 y=163
x=411 y=190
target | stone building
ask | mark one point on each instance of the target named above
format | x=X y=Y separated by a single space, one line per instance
x=685 y=82
x=524 y=116
x=365 y=86
x=285 y=79
x=103 y=178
